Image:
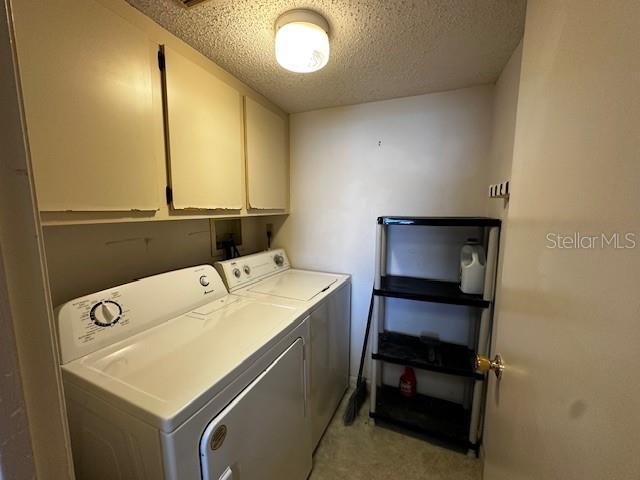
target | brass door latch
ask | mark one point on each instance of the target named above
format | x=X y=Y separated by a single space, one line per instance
x=484 y=364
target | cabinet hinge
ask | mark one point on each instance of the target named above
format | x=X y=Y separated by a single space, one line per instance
x=169 y=193
x=161 y=62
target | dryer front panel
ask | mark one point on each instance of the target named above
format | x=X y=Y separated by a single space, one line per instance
x=264 y=433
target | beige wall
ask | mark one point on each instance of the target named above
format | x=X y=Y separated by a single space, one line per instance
x=16 y=455
x=567 y=406
x=84 y=259
x=505 y=105
x=27 y=297
x=424 y=155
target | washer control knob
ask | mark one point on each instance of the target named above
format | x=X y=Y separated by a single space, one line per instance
x=279 y=260
x=204 y=281
x=105 y=314
x=236 y=272
x=247 y=269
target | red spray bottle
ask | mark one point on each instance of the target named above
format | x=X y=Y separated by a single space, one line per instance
x=408 y=383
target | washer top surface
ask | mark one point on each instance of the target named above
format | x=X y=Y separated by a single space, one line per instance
x=165 y=374
x=268 y=275
x=295 y=284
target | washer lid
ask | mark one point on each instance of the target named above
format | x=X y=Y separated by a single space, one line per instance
x=295 y=284
x=165 y=374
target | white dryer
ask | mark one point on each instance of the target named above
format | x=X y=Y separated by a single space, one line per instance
x=325 y=298
x=170 y=377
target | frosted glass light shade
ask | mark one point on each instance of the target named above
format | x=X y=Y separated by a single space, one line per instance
x=302 y=42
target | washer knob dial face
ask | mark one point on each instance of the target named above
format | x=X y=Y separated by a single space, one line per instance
x=279 y=260
x=204 y=281
x=106 y=313
x=236 y=272
x=247 y=269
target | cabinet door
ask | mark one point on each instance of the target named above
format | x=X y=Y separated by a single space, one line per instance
x=204 y=128
x=267 y=157
x=93 y=118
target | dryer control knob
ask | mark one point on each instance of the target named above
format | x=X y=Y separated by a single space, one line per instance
x=279 y=260
x=106 y=313
x=236 y=272
x=247 y=269
x=204 y=281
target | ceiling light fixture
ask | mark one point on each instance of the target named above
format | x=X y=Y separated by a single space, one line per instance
x=302 y=41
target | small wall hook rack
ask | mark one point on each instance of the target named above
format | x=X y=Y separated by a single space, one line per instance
x=499 y=190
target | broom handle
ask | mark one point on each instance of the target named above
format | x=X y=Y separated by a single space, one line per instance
x=366 y=340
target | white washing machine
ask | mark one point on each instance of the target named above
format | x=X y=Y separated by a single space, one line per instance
x=170 y=377
x=325 y=298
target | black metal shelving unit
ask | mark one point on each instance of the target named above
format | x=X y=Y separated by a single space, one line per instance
x=445 y=422
x=426 y=354
x=441 y=221
x=452 y=424
x=426 y=290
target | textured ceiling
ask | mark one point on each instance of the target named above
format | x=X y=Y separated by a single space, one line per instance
x=380 y=49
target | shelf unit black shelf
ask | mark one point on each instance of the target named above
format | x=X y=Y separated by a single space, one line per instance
x=425 y=290
x=441 y=221
x=426 y=354
x=437 y=419
x=459 y=424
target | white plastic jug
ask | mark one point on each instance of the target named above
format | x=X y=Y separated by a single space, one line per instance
x=473 y=263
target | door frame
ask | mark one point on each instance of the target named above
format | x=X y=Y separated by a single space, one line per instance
x=26 y=313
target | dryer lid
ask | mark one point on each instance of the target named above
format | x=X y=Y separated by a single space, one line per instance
x=296 y=284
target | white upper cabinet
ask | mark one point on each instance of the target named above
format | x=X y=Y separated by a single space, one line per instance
x=93 y=108
x=204 y=130
x=267 y=157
